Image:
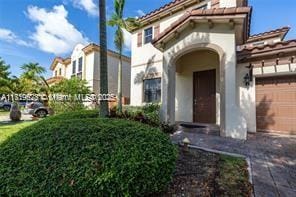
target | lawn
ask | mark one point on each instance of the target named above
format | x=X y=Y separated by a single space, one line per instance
x=8 y=129
x=4 y=113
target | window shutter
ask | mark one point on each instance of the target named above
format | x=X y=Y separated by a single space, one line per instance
x=156 y=31
x=140 y=39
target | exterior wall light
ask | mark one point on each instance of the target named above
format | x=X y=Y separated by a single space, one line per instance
x=248 y=78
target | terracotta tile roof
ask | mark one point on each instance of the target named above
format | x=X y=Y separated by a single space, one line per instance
x=288 y=47
x=273 y=46
x=53 y=80
x=276 y=32
x=94 y=47
x=59 y=60
x=206 y=12
x=162 y=8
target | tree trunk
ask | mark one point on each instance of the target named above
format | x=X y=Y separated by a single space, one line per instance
x=119 y=90
x=104 y=111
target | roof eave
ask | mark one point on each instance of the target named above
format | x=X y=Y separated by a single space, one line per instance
x=165 y=37
x=164 y=12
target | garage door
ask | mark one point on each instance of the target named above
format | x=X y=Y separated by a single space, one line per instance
x=276 y=104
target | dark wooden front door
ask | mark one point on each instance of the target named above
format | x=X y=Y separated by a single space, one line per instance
x=204 y=96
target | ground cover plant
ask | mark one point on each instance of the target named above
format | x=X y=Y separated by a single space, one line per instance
x=202 y=173
x=147 y=114
x=80 y=154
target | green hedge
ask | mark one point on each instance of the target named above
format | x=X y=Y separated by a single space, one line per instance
x=71 y=155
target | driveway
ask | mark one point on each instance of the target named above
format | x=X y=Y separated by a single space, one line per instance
x=272 y=156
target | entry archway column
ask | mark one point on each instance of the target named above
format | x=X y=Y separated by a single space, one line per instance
x=168 y=88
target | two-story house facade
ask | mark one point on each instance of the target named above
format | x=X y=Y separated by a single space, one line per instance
x=84 y=63
x=198 y=59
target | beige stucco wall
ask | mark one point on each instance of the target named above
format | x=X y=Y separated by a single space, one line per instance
x=227 y=3
x=148 y=57
x=247 y=97
x=91 y=71
x=57 y=68
x=148 y=54
x=221 y=39
x=186 y=66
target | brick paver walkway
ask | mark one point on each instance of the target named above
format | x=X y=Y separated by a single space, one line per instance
x=272 y=156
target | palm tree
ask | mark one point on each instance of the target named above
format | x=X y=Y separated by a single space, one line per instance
x=104 y=111
x=120 y=23
x=4 y=75
x=32 y=76
x=32 y=71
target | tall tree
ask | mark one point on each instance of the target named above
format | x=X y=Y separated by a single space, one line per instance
x=32 y=71
x=32 y=77
x=4 y=75
x=117 y=20
x=104 y=111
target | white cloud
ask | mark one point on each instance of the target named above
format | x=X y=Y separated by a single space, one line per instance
x=53 y=32
x=141 y=13
x=127 y=39
x=88 y=5
x=8 y=36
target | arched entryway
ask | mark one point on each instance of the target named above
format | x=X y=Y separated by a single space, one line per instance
x=198 y=87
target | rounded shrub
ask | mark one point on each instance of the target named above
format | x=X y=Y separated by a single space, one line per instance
x=71 y=155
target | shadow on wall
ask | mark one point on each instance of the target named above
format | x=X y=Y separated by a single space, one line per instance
x=148 y=70
x=264 y=119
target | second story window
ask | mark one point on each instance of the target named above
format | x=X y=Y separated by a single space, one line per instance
x=148 y=35
x=73 y=67
x=80 y=64
x=55 y=73
x=60 y=71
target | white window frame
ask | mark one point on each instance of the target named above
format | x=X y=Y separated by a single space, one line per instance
x=144 y=37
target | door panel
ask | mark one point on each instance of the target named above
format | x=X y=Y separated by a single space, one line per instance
x=204 y=96
x=276 y=104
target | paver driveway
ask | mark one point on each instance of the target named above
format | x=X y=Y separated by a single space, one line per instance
x=272 y=156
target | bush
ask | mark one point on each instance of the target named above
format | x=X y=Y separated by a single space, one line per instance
x=69 y=87
x=148 y=114
x=75 y=115
x=61 y=107
x=78 y=154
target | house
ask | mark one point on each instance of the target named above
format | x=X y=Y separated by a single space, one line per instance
x=84 y=63
x=198 y=59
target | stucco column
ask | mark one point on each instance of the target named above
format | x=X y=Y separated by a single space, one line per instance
x=168 y=92
x=232 y=122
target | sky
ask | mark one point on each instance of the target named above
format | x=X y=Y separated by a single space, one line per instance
x=39 y=30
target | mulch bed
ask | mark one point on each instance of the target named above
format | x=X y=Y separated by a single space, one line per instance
x=197 y=173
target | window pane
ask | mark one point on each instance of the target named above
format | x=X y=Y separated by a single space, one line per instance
x=74 y=67
x=79 y=75
x=148 y=35
x=152 y=90
x=80 y=64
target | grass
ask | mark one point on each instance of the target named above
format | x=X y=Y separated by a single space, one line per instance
x=233 y=178
x=8 y=129
x=4 y=113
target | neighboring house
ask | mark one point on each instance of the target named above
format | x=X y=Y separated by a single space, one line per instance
x=198 y=59
x=84 y=63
